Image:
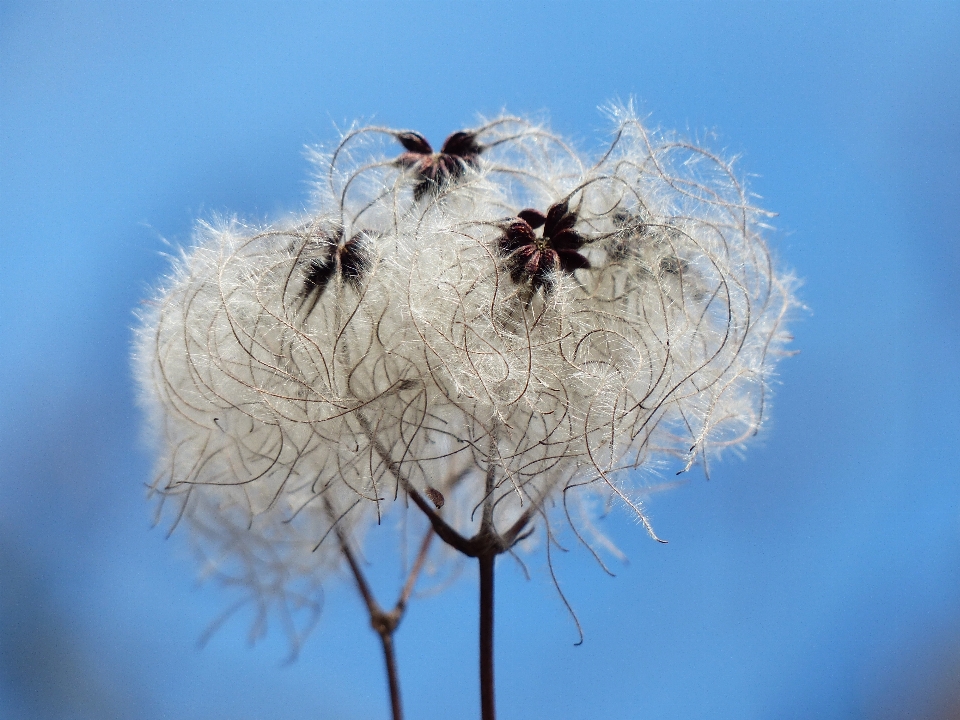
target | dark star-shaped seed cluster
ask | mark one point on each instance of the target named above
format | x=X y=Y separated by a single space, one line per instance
x=532 y=259
x=346 y=260
x=434 y=171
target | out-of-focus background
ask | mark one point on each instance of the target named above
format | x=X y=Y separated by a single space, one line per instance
x=816 y=577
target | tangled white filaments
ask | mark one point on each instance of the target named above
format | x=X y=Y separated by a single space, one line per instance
x=501 y=324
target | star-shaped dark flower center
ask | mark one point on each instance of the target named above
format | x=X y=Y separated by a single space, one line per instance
x=434 y=171
x=535 y=259
x=346 y=260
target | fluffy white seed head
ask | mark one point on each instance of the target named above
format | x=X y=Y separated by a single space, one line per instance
x=420 y=330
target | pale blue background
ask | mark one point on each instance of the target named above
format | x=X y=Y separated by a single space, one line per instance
x=819 y=577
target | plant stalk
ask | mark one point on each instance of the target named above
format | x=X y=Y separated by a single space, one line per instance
x=393 y=678
x=488 y=709
x=385 y=623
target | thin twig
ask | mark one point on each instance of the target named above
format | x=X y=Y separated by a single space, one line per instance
x=488 y=708
x=385 y=623
x=487 y=559
x=415 y=571
x=440 y=526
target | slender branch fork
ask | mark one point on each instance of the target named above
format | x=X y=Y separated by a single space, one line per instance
x=485 y=546
x=385 y=623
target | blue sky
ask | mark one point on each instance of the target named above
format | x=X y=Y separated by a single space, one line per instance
x=818 y=576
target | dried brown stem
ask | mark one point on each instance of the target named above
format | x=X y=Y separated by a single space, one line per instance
x=415 y=570
x=485 y=546
x=487 y=559
x=440 y=526
x=488 y=709
x=385 y=623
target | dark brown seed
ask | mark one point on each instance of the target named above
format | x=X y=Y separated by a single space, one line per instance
x=318 y=275
x=558 y=218
x=414 y=142
x=567 y=240
x=571 y=260
x=534 y=218
x=462 y=144
x=436 y=497
x=353 y=260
